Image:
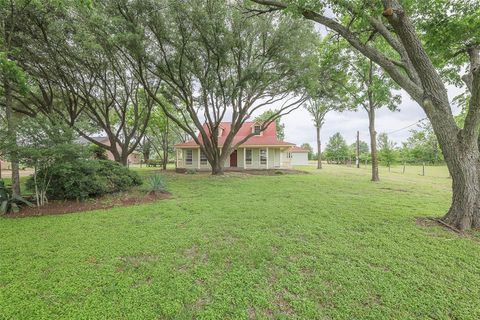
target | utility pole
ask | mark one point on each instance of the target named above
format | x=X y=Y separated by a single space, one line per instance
x=358 y=150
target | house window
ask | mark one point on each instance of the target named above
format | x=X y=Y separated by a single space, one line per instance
x=220 y=132
x=248 y=156
x=203 y=159
x=189 y=156
x=289 y=155
x=263 y=156
x=257 y=130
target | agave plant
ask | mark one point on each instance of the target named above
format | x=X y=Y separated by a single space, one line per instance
x=10 y=203
x=157 y=184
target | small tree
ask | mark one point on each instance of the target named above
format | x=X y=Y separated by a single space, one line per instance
x=387 y=150
x=371 y=89
x=337 y=149
x=42 y=144
x=326 y=85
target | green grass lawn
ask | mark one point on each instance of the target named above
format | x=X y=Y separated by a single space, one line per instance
x=324 y=245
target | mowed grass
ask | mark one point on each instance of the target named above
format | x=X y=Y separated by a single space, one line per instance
x=324 y=245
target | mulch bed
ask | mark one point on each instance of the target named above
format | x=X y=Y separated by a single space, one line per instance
x=106 y=202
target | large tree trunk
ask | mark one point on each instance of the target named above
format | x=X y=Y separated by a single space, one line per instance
x=12 y=136
x=373 y=144
x=165 y=159
x=319 y=149
x=146 y=149
x=464 y=212
x=217 y=164
x=120 y=156
x=165 y=151
x=217 y=169
x=461 y=153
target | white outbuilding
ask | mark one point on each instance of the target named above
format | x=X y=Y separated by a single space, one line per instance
x=299 y=156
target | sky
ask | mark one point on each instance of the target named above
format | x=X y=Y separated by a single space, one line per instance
x=299 y=125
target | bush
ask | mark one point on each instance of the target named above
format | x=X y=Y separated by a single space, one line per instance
x=98 y=152
x=87 y=178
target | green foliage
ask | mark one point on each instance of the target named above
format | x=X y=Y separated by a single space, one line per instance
x=326 y=82
x=86 y=178
x=98 y=152
x=308 y=147
x=448 y=28
x=422 y=146
x=156 y=183
x=270 y=115
x=337 y=149
x=387 y=154
x=364 y=150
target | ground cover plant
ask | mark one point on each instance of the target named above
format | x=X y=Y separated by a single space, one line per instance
x=324 y=245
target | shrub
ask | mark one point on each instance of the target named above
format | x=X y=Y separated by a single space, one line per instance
x=98 y=152
x=157 y=184
x=87 y=178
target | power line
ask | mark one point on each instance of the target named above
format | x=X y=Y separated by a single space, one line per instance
x=394 y=131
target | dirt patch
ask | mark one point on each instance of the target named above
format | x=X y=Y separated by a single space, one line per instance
x=135 y=261
x=106 y=202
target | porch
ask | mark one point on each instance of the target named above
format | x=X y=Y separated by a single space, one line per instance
x=243 y=158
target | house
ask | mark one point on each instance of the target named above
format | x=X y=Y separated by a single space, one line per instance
x=133 y=158
x=299 y=156
x=261 y=151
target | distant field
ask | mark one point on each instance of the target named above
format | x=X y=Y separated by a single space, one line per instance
x=324 y=245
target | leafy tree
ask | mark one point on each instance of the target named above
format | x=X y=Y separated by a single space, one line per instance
x=364 y=150
x=386 y=148
x=326 y=88
x=78 y=73
x=98 y=152
x=337 y=149
x=42 y=143
x=371 y=89
x=162 y=134
x=214 y=62
x=422 y=146
x=308 y=147
x=421 y=45
x=280 y=127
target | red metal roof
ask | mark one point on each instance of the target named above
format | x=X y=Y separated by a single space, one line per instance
x=297 y=149
x=267 y=138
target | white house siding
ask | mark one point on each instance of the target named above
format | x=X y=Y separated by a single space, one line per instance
x=276 y=158
x=299 y=158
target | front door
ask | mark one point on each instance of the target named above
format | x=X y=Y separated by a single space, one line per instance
x=233 y=159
